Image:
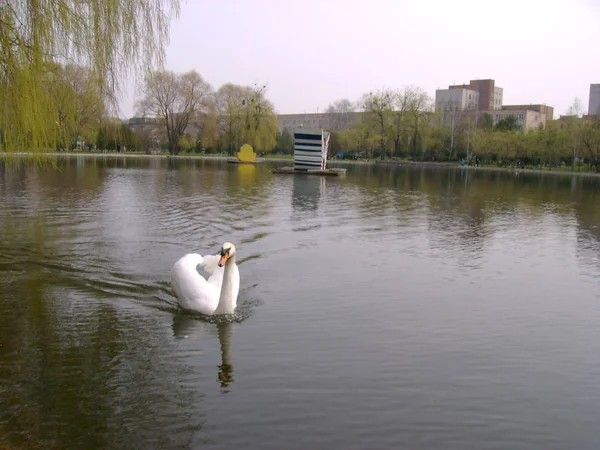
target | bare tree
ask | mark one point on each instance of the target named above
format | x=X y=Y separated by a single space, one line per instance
x=575 y=128
x=590 y=137
x=176 y=101
x=419 y=107
x=407 y=105
x=399 y=125
x=456 y=124
x=379 y=107
x=341 y=114
x=576 y=109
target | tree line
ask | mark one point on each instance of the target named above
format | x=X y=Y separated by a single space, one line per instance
x=404 y=124
x=190 y=114
x=382 y=124
x=182 y=111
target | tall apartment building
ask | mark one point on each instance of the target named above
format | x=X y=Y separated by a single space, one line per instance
x=460 y=99
x=490 y=95
x=594 y=106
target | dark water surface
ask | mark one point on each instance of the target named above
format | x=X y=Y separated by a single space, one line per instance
x=395 y=308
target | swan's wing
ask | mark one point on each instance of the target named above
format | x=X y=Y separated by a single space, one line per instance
x=210 y=263
x=217 y=277
x=192 y=290
x=236 y=285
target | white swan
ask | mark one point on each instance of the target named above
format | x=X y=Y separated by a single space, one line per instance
x=218 y=294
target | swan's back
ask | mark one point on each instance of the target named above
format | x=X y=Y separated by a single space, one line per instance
x=192 y=290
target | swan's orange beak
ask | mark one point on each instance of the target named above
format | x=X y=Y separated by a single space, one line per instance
x=223 y=260
x=224 y=257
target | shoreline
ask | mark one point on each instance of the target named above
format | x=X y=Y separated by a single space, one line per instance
x=398 y=164
x=540 y=171
x=135 y=155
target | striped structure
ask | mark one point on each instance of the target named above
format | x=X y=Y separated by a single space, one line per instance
x=310 y=149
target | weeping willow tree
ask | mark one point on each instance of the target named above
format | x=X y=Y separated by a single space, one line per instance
x=110 y=38
x=246 y=116
x=80 y=106
x=260 y=119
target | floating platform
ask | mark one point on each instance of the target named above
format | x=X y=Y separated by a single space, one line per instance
x=324 y=172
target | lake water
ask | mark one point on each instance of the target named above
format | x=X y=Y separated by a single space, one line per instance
x=394 y=308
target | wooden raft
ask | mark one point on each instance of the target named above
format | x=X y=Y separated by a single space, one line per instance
x=326 y=172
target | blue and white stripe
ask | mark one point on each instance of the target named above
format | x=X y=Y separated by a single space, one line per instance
x=310 y=149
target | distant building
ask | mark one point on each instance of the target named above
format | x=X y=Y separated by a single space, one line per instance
x=136 y=123
x=490 y=95
x=594 y=106
x=326 y=121
x=567 y=118
x=545 y=109
x=490 y=98
x=290 y=122
x=527 y=118
x=458 y=99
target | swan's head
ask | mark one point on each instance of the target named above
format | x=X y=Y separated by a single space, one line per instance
x=227 y=251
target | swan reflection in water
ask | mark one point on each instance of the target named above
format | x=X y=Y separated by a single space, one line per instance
x=189 y=327
x=226 y=368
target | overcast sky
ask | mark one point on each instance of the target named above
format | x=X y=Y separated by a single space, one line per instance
x=311 y=52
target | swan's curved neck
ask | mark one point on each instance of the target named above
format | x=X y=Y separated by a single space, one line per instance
x=225 y=305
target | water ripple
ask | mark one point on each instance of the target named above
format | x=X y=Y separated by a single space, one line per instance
x=460 y=310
